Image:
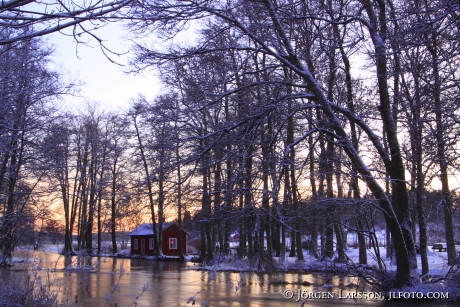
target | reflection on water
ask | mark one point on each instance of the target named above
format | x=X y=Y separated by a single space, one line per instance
x=126 y=282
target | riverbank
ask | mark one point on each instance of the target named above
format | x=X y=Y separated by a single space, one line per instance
x=437 y=261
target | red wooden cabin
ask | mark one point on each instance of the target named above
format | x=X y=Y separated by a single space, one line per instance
x=142 y=240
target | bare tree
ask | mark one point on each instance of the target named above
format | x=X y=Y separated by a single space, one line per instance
x=277 y=44
x=27 y=88
x=148 y=178
x=59 y=142
x=117 y=147
x=32 y=18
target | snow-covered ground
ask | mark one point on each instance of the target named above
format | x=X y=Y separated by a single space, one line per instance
x=437 y=262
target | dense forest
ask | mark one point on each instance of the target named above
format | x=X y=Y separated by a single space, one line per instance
x=283 y=119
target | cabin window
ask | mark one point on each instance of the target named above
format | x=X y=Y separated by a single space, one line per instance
x=172 y=243
x=151 y=247
x=136 y=244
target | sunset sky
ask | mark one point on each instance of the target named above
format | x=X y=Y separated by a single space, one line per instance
x=104 y=82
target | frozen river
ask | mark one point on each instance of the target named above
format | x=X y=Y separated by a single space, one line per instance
x=126 y=282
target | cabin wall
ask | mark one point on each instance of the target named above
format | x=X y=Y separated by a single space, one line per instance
x=170 y=244
x=144 y=248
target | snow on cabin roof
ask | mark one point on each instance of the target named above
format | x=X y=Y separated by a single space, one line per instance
x=146 y=229
x=143 y=230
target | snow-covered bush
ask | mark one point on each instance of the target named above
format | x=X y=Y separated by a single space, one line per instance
x=26 y=289
x=83 y=263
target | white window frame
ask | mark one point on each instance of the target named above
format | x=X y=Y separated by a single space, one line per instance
x=151 y=246
x=172 y=243
x=136 y=244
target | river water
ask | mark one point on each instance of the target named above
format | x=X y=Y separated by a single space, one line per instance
x=105 y=281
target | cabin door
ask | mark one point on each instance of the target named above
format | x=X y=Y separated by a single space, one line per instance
x=142 y=246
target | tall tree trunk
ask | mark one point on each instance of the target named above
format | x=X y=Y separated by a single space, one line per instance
x=228 y=194
x=265 y=218
x=314 y=192
x=340 y=234
x=442 y=157
x=218 y=198
x=9 y=217
x=156 y=241
x=354 y=186
x=99 y=196
x=92 y=199
x=248 y=206
x=179 y=204
x=417 y=176
x=161 y=198
x=241 y=225
x=291 y=190
x=113 y=206
x=206 y=204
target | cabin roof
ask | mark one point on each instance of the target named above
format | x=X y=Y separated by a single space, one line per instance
x=143 y=230
x=146 y=229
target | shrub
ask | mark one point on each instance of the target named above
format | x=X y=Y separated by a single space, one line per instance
x=26 y=289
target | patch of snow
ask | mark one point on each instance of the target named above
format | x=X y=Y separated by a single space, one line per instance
x=143 y=230
x=147 y=229
x=125 y=253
